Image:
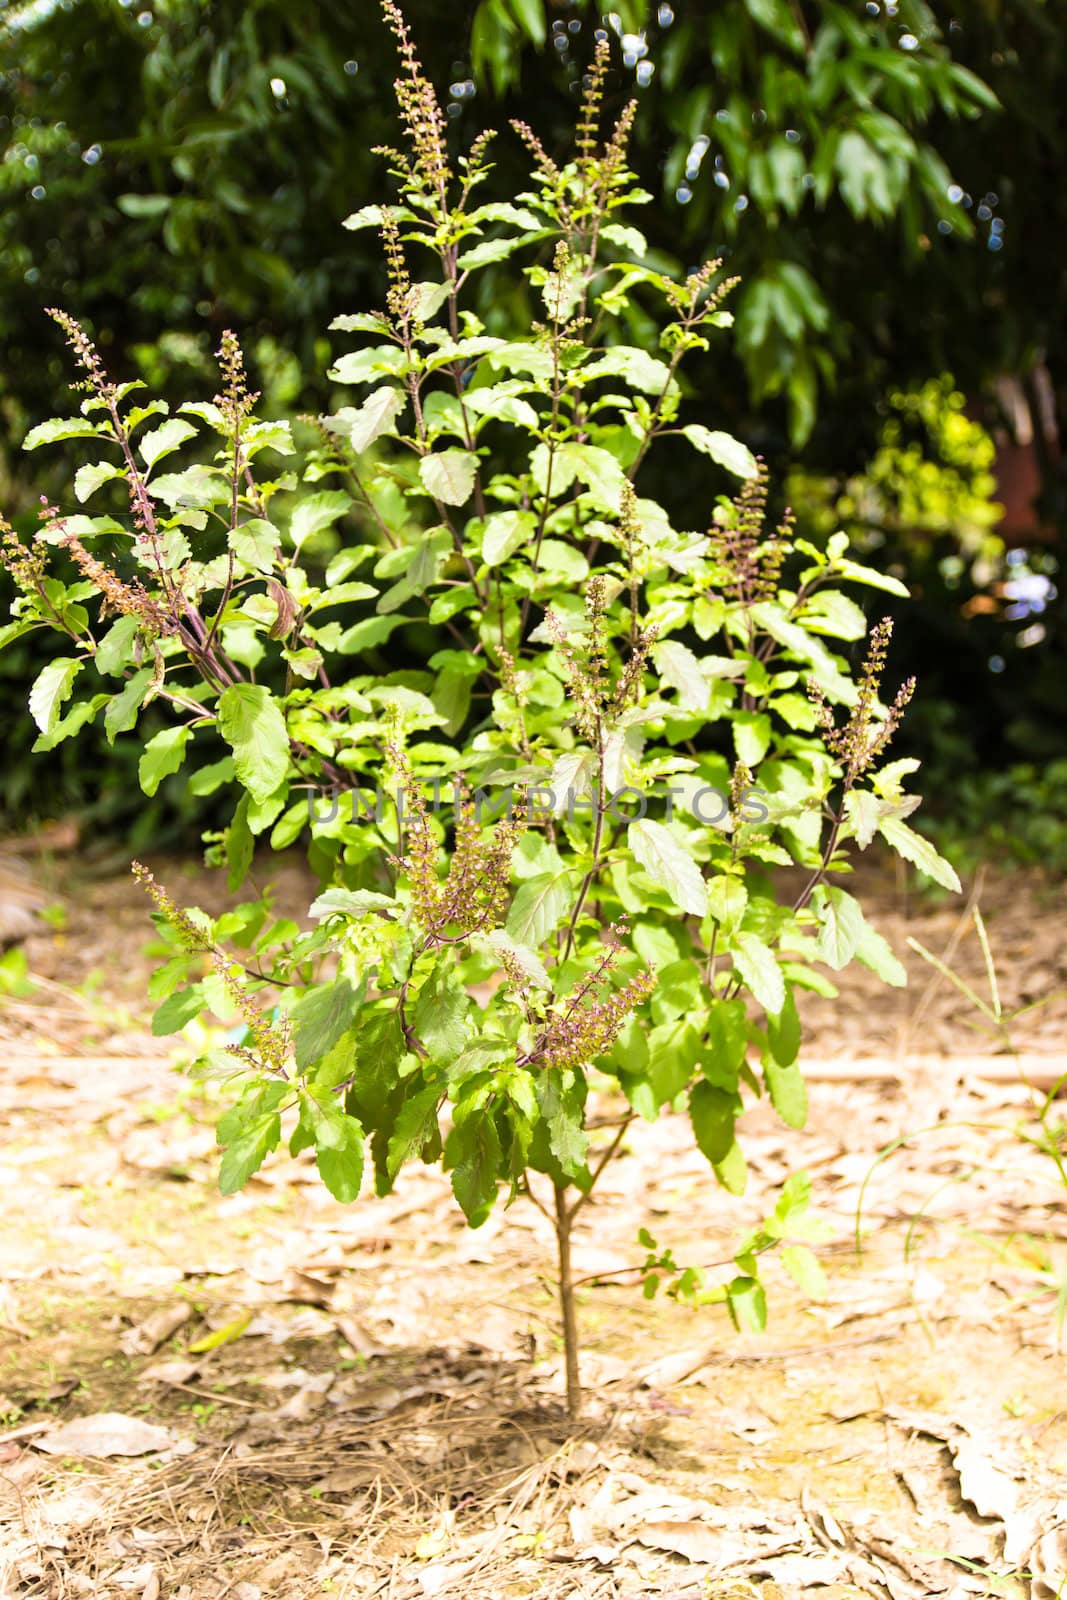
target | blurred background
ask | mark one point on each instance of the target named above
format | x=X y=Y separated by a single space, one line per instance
x=885 y=177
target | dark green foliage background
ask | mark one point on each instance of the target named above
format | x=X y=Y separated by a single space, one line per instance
x=157 y=185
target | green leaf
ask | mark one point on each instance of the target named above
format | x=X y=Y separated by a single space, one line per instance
x=163 y=440
x=503 y=210
x=340 y=1162
x=829 y=611
x=10 y=631
x=727 y=899
x=530 y=15
x=747 y=1304
x=538 y=908
x=162 y=755
x=121 y=714
x=723 y=449
x=364 y=366
x=863 y=810
x=680 y=669
x=197 y=488
x=657 y=848
x=494 y=401
x=519 y=356
x=920 y=852
x=527 y=960
x=144 y=205
x=316 y=513
x=727 y=1030
x=415 y=1126
x=116 y=647
x=596 y=468
x=371 y=631
x=876 y=954
x=796 y=710
x=473 y=1152
x=759 y=970
x=247 y=1153
x=887 y=781
x=840 y=925
x=440 y=1013
x=713 y=1113
x=349 y=903
x=779 y=18
x=90 y=477
x=673 y=1053
x=505 y=532
x=752 y=735
x=256 y=544
x=370 y=217
x=483 y=255
x=83 y=527
x=452 y=692
x=363 y=425
x=320 y=1017
x=804 y=1269
x=783 y=1032
x=59 y=428
x=239 y=845
x=788 y=1092
x=633 y=240
x=53 y=686
x=80 y=713
x=178 y=1009
x=449 y=475
x=973 y=86
x=770 y=617
x=211 y=778
x=561 y=1099
x=873 y=580
x=252 y=724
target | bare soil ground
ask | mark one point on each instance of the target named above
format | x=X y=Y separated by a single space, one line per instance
x=273 y=1396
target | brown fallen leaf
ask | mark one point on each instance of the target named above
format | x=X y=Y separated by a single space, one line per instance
x=139 y=1577
x=308 y=1399
x=171 y=1372
x=1048 y=1563
x=676 y=1367
x=990 y=1490
x=25 y=1431
x=1035 y=1540
x=342 y=1480
x=109 y=1433
x=305 y=1289
x=146 y=1338
x=359 y=1338
x=696 y=1541
x=57 y=1391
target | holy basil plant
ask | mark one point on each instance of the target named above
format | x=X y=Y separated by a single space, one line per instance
x=574 y=768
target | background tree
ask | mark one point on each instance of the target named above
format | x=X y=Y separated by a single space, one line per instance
x=882 y=178
x=187 y=165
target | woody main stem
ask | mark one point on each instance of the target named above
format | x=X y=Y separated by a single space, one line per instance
x=564 y=1220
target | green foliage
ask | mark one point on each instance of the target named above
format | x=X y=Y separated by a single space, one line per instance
x=930 y=479
x=655 y=717
x=142 y=144
x=1019 y=815
x=842 y=99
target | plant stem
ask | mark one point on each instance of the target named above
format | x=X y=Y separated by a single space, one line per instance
x=564 y=1219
